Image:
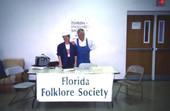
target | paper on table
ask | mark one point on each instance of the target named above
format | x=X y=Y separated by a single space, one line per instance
x=38 y=68
x=103 y=68
x=67 y=69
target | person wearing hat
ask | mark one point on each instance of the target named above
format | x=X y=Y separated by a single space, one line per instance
x=67 y=53
x=84 y=46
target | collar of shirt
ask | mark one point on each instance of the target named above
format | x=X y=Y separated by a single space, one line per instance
x=67 y=46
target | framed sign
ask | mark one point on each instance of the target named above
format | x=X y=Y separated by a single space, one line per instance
x=56 y=87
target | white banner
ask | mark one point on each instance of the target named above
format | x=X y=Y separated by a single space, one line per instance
x=55 y=87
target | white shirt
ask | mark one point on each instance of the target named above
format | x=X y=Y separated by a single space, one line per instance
x=83 y=43
x=68 y=49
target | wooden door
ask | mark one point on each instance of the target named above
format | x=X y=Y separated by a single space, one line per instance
x=162 y=62
x=139 y=41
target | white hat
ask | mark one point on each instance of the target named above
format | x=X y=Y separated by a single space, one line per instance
x=65 y=33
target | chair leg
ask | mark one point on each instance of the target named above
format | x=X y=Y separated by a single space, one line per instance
x=135 y=91
x=141 y=93
x=17 y=93
x=12 y=101
x=33 y=90
x=132 y=99
x=118 y=91
x=26 y=94
x=127 y=90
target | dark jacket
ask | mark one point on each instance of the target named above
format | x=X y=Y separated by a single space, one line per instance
x=61 y=51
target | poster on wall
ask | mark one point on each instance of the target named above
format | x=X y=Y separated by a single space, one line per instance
x=77 y=24
x=136 y=25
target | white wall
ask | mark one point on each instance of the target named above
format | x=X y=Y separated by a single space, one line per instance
x=31 y=27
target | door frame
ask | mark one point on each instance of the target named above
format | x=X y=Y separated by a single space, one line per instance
x=155 y=14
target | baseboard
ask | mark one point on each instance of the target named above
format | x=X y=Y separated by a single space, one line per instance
x=148 y=77
x=162 y=77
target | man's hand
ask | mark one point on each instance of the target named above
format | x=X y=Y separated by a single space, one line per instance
x=72 y=42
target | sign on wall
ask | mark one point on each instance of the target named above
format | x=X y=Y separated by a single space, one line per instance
x=77 y=24
x=136 y=25
x=55 y=87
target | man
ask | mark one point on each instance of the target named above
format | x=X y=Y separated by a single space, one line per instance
x=84 y=46
x=67 y=53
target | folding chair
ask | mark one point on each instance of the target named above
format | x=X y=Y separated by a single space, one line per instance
x=130 y=85
x=87 y=65
x=19 y=87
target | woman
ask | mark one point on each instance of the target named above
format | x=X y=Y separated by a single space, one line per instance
x=84 y=46
x=67 y=53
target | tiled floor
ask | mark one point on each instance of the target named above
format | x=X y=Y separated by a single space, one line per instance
x=156 y=98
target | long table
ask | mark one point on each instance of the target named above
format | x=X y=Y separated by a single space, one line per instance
x=79 y=85
x=79 y=70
